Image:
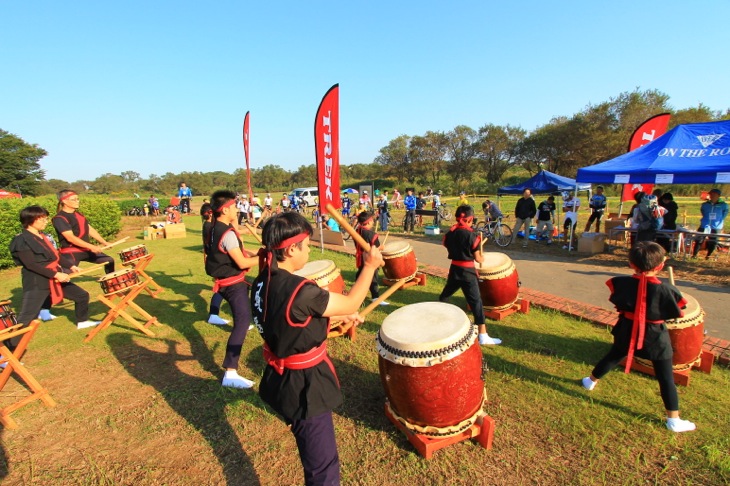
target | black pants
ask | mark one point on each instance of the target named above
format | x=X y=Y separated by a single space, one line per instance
x=711 y=242
x=184 y=205
x=215 y=304
x=87 y=256
x=237 y=298
x=33 y=302
x=410 y=220
x=374 y=289
x=315 y=438
x=465 y=279
x=662 y=369
x=595 y=216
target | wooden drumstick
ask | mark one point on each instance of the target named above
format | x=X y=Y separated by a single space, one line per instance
x=382 y=243
x=671 y=275
x=367 y=310
x=344 y=224
x=118 y=242
x=253 y=232
x=87 y=270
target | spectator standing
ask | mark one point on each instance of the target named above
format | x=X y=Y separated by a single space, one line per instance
x=185 y=195
x=546 y=219
x=154 y=205
x=571 y=205
x=346 y=205
x=463 y=201
x=396 y=199
x=284 y=203
x=420 y=204
x=365 y=201
x=597 y=205
x=525 y=210
x=383 y=211
x=410 y=204
x=714 y=213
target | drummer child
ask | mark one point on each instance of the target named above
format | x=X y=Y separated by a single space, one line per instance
x=45 y=271
x=228 y=262
x=292 y=314
x=366 y=222
x=644 y=303
x=206 y=214
x=464 y=247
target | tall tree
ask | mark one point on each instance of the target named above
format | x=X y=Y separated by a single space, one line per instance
x=396 y=158
x=497 y=147
x=20 y=169
x=427 y=154
x=460 y=149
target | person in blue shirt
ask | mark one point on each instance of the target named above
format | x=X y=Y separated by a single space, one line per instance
x=346 y=203
x=331 y=223
x=714 y=213
x=597 y=205
x=410 y=204
x=185 y=194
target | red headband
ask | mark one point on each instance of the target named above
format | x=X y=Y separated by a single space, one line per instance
x=293 y=240
x=68 y=195
x=229 y=203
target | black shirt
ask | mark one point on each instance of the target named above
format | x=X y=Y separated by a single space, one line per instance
x=545 y=211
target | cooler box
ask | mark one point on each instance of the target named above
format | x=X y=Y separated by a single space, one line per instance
x=592 y=243
x=175 y=230
x=432 y=230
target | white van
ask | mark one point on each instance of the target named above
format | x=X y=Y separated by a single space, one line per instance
x=310 y=195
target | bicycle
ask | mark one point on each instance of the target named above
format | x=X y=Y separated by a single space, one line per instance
x=353 y=222
x=444 y=212
x=495 y=230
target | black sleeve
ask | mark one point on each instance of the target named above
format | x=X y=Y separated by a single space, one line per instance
x=309 y=301
x=28 y=261
x=61 y=224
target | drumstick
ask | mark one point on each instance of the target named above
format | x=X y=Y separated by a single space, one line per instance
x=367 y=310
x=382 y=243
x=344 y=224
x=105 y=247
x=253 y=232
x=87 y=270
x=671 y=275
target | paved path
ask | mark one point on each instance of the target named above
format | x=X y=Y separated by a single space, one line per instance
x=584 y=282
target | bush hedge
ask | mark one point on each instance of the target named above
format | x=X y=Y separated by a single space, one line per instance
x=103 y=214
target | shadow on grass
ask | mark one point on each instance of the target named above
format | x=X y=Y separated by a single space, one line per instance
x=183 y=393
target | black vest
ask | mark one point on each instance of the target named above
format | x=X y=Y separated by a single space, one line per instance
x=219 y=264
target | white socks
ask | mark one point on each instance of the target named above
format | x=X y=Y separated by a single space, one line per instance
x=588 y=384
x=485 y=340
x=86 y=324
x=233 y=380
x=45 y=315
x=679 y=425
x=217 y=320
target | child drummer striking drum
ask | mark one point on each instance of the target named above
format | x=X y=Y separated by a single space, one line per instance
x=366 y=224
x=464 y=247
x=644 y=303
x=292 y=314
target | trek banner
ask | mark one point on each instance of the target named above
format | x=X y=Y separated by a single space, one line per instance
x=245 y=152
x=647 y=132
x=327 y=149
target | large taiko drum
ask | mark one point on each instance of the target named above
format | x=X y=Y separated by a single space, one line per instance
x=686 y=334
x=7 y=316
x=400 y=260
x=498 y=281
x=130 y=255
x=325 y=274
x=431 y=368
x=118 y=281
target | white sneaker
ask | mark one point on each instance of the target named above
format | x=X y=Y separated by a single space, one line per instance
x=86 y=324
x=237 y=381
x=45 y=315
x=485 y=340
x=679 y=425
x=217 y=320
x=385 y=302
x=587 y=383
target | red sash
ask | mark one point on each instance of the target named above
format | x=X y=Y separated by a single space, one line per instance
x=463 y=263
x=301 y=361
x=228 y=281
x=54 y=285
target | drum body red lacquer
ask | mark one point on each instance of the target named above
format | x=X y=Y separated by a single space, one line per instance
x=325 y=274
x=686 y=334
x=431 y=368
x=118 y=281
x=400 y=260
x=498 y=281
x=7 y=316
x=129 y=255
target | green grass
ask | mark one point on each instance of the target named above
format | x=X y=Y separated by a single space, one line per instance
x=139 y=410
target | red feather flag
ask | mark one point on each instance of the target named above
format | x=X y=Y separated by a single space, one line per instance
x=327 y=148
x=647 y=132
x=245 y=153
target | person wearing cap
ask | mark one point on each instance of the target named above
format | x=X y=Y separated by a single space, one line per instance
x=463 y=201
x=284 y=203
x=346 y=203
x=597 y=205
x=714 y=213
x=436 y=200
x=396 y=199
x=243 y=207
x=365 y=200
x=268 y=206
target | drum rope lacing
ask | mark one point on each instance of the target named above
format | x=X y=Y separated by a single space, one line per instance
x=430 y=353
x=496 y=272
x=432 y=430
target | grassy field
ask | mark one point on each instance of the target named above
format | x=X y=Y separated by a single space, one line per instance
x=139 y=410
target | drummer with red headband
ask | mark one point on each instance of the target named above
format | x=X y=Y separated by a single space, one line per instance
x=292 y=314
x=644 y=303
x=227 y=262
x=464 y=247
x=366 y=223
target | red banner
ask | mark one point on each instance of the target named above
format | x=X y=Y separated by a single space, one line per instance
x=647 y=132
x=245 y=153
x=327 y=148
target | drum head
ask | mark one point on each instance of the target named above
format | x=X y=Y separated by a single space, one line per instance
x=395 y=247
x=425 y=334
x=493 y=261
x=315 y=268
x=693 y=314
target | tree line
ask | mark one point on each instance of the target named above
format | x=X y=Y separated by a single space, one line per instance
x=464 y=158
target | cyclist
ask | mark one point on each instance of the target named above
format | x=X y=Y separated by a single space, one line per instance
x=491 y=211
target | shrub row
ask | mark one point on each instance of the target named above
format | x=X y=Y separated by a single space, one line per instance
x=103 y=214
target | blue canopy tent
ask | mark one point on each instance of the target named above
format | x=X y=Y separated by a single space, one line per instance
x=544 y=182
x=697 y=153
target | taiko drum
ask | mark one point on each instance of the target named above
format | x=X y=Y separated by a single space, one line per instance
x=431 y=368
x=129 y=255
x=400 y=260
x=498 y=281
x=686 y=334
x=7 y=316
x=325 y=274
x=118 y=281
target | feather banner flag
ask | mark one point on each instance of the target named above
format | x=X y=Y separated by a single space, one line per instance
x=647 y=132
x=327 y=148
x=246 y=154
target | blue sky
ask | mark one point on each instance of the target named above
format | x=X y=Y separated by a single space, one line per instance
x=163 y=86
